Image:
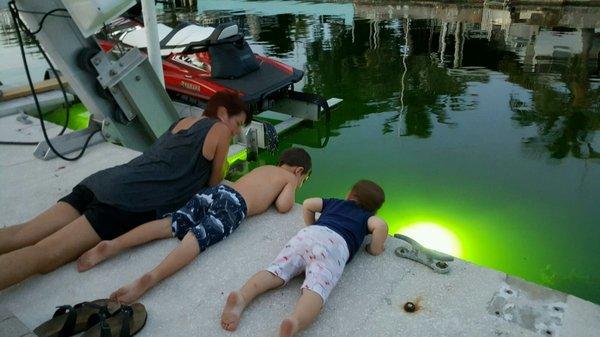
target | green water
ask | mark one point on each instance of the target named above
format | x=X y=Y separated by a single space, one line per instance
x=498 y=151
x=486 y=129
x=79 y=117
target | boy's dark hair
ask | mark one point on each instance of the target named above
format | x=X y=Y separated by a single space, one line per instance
x=296 y=156
x=230 y=101
x=368 y=195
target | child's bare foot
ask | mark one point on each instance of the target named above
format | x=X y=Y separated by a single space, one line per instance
x=133 y=291
x=233 y=310
x=288 y=327
x=92 y=257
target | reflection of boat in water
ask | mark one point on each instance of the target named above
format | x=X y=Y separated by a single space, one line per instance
x=315 y=136
x=470 y=73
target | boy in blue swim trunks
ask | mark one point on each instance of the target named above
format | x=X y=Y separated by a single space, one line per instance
x=321 y=250
x=209 y=217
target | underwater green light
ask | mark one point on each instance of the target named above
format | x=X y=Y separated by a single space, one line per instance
x=434 y=236
x=242 y=155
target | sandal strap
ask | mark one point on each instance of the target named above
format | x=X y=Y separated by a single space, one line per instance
x=97 y=317
x=69 y=325
x=61 y=310
x=127 y=315
x=93 y=319
x=105 y=329
x=89 y=304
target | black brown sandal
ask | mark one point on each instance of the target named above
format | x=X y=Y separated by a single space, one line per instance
x=70 y=320
x=126 y=322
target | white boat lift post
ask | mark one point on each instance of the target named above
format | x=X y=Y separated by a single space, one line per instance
x=152 y=42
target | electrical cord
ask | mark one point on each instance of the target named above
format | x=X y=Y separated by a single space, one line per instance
x=41 y=25
x=54 y=71
x=17 y=143
x=19 y=24
x=36 y=12
x=24 y=27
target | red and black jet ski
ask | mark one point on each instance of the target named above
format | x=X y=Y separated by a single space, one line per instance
x=199 y=61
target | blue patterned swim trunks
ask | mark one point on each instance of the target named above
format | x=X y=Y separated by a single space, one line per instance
x=212 y=214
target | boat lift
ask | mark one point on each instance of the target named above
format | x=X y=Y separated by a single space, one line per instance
x=125 y=96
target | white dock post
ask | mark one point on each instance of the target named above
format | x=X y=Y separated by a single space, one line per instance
x=150 y=25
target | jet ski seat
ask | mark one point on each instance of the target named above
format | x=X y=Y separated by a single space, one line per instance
x=176 y=40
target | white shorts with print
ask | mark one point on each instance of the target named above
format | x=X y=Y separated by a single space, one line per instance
x=318 y=251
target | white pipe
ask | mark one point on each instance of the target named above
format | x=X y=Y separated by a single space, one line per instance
x=153 y=44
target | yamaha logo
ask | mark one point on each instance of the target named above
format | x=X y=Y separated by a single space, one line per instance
x=190 y=86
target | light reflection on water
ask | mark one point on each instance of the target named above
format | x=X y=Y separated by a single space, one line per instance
x=434 y=236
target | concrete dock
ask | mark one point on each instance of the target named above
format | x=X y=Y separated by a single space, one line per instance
x=469 y=301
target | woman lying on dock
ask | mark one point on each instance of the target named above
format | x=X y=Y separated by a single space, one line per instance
x=111 y=202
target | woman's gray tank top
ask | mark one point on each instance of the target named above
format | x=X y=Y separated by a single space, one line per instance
x=163 y=178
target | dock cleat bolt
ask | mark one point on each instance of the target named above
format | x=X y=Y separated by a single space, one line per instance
x=409 y=307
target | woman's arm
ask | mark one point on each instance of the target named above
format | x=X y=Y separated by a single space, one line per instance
x=216 y=145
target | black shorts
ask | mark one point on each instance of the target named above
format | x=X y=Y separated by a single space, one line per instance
x=108 y=221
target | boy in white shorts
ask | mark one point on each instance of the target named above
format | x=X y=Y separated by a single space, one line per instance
x=321 y=251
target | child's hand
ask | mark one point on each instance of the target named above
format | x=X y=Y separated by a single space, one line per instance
x=299 y=181
x=296 y=181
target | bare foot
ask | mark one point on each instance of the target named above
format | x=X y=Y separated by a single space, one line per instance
x=288 y=327
x=133 y=291
x=233 y=310
x=92 y=257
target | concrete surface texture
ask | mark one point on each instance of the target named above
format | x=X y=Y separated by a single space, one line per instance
x=368 y=300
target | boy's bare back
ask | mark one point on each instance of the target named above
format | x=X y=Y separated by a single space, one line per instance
x=261 y=187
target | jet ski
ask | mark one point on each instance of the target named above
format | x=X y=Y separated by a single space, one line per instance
x=199 y=61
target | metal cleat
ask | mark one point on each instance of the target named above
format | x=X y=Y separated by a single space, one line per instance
x=413 y=250
x=24 y=118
